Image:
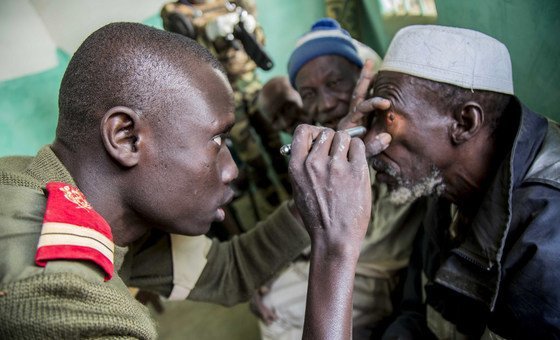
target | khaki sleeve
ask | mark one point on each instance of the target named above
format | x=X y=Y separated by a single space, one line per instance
x=234 y=269
x=189 y=259
x=168 y=264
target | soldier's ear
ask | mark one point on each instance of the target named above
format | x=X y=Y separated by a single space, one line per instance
x=468 y=121
x=122 y=135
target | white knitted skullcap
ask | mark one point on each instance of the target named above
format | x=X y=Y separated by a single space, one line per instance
x=365 y=52
x=457 y=56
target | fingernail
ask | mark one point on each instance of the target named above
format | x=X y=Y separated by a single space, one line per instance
x=384 y=138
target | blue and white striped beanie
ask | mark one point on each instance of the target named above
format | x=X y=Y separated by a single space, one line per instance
x=326 y=37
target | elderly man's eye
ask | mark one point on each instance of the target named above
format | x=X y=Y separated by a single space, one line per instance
x=305 y=96
x=333 y=83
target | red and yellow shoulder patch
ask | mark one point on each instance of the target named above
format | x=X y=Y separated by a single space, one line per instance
x=72 y=230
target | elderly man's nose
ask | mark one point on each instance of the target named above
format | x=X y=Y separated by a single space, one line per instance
x=327 y=101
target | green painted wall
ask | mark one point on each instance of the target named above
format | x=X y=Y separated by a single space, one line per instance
x=530 y=30
x=377 y=31
x=283 y=23
x=29 y=107
x=29 y=110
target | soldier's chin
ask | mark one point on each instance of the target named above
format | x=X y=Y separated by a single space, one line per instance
x=220 y=215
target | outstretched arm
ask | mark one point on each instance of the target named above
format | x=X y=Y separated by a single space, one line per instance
x=332 y=192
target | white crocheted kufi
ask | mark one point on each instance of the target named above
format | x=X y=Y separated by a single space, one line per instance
x=457 y=56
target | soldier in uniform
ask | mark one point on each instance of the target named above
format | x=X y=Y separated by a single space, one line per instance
x=136 y=174
x=229 y=30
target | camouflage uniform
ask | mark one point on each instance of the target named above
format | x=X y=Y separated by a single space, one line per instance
x=258 y=187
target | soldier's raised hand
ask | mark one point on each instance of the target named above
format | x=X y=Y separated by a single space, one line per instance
x=330 y=179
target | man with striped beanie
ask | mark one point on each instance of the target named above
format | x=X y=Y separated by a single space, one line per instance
x=324 y=68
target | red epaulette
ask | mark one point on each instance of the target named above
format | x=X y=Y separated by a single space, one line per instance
x=72 y=230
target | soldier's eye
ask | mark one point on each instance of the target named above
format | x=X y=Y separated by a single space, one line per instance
x=218 y=139
x=222 y=138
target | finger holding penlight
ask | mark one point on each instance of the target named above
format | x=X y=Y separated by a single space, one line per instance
x=356 y=131
x=378 y=144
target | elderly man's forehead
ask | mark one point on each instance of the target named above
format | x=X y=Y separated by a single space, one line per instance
x=388 y=80
x=401 y=81
x=332 y=63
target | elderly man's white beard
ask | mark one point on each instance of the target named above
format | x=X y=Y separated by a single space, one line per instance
x=407 y=191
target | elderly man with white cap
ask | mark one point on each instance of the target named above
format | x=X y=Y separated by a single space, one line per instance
x=325 y=68
x=486 y=263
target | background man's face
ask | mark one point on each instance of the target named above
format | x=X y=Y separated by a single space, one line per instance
x=187 y=172
x=325 y=85
x=286 y=110
x=289 y=116
x=412 y=164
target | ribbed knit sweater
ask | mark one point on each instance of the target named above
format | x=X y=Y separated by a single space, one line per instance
x=69 y=299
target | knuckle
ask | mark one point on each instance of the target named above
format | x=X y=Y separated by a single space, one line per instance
x=312 y=166
x=344 y=137
x=303 y=129
x=337 y=168
x=294 y=170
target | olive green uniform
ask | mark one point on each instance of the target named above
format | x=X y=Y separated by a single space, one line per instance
x=70 y=299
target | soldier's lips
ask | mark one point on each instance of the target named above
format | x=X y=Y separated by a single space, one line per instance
x=220 y=211
x=220 y=215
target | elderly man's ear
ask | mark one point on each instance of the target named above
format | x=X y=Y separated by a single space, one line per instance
x=122 y=133
x=467 y=122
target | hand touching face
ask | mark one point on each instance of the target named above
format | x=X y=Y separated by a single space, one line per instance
x=331 y=187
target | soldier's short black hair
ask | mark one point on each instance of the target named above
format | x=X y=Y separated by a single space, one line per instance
x=123 y=64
